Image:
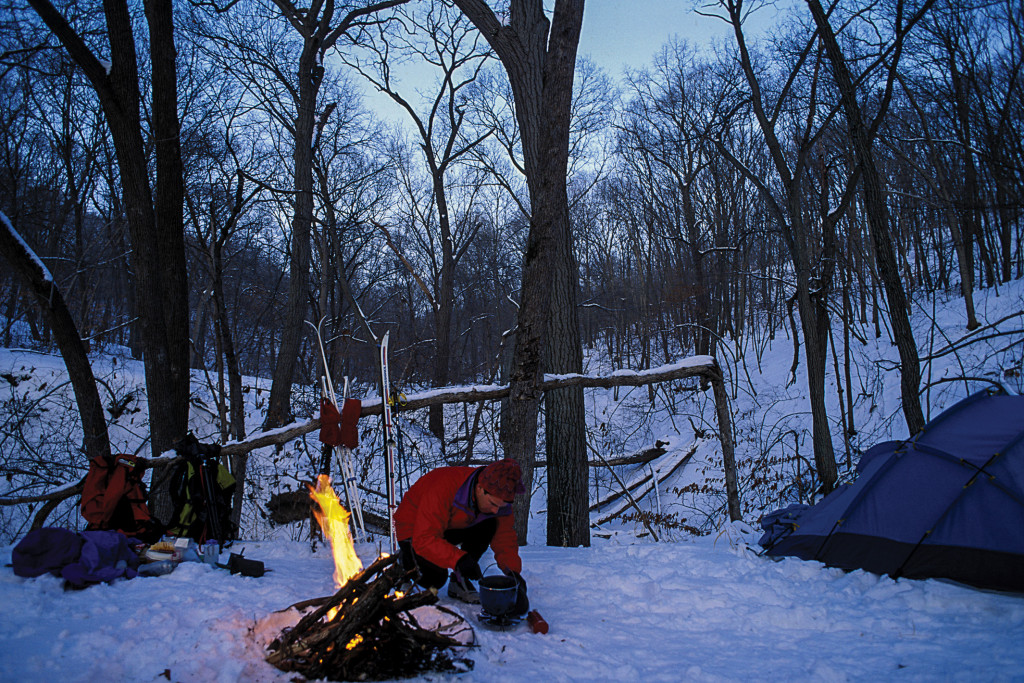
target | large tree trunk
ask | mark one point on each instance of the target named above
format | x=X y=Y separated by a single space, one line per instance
x=444 y=303
x=812 y=302
x=156 y=230
x=539 y=57
x=279 y=410
x=170 y=301
x=565 y=436
x=814 y=321
x=168 y=402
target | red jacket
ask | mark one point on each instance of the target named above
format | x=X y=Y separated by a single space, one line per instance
x=442 y=500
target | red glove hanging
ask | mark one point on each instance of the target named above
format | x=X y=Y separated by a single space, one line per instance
x=349 y=432
x=330 y=430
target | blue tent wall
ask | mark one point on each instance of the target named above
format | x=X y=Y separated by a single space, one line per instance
x=947 y=503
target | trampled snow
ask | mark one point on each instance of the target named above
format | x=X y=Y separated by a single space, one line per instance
x=706 y=610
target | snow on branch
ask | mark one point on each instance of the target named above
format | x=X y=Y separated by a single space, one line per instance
x=696 y=366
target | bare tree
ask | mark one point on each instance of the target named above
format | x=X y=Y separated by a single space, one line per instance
x=320 y=25
x=999 y=94
x=939 y=84
x=862 y=134
x=665 y=143
x=791 y=135
x=593 y=103
x=354 y=183
x=443 y=39
x=66 y=109
x=539 y=56
x=50 y=300
x=154 y=214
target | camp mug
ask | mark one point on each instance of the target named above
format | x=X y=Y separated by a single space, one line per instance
x=211 y=551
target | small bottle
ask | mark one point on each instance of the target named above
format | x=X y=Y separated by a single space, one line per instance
x=536 y=621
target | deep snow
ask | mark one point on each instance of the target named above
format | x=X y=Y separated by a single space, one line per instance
x=707 y=610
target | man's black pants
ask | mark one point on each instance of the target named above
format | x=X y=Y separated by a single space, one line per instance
x=474 y=540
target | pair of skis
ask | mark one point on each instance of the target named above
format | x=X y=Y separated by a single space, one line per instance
x=390 y=444
x=352 y=496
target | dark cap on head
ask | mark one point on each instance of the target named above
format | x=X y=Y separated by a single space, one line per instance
x=503 y=478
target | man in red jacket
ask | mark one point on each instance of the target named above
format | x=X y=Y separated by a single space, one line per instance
x=449 y=517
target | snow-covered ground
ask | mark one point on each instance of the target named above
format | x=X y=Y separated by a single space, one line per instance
x=703 y=610
x=686 y=608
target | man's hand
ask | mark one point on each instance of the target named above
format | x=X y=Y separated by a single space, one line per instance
x=407 y=558
x=520 y=581
x=468 y=568
x=522 y=605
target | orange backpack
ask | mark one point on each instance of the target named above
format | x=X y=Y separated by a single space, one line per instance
x=114 y=498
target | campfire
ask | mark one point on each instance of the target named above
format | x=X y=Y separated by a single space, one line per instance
x=369 y=629
x=333 y=521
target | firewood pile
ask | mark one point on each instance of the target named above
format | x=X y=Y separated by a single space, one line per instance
x=367 y=632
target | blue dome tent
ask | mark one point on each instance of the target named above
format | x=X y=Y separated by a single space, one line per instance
x=946 y=503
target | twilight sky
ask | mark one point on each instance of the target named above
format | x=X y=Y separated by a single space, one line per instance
x=617 y=34
x=627 y=33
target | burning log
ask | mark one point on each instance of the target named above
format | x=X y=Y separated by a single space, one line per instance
x=369 y=631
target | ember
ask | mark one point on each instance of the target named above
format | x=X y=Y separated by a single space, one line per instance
x=368 y=630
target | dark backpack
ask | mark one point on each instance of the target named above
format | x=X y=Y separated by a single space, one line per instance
x=201 y=491
x=114 y=498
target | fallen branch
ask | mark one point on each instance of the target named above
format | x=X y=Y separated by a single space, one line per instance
x=58 y=495
x=646 y=483
x=975 y=336
x=632 y=500
x=697 y=366
x=642 y=458
x=286 y=507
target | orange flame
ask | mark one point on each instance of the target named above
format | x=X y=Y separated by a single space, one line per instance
x=333 y=520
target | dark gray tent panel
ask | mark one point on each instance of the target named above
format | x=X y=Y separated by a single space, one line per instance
x=946 y=503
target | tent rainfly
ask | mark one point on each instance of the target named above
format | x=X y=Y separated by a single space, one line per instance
x=946 y=503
